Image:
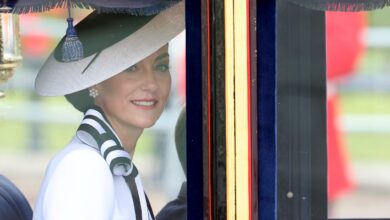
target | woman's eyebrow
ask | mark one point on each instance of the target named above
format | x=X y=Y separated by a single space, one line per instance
x=162 y=56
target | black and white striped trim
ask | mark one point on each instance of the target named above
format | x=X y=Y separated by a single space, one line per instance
x=98 y=133
x=96 y=126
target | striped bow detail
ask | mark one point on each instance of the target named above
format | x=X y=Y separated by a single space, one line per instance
x=98 y=133
x=95 y=129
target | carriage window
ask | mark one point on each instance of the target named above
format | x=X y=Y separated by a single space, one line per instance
x=332 y=100
x=33 y=129
x=358 y=112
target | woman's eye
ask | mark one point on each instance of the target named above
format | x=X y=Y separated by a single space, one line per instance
x=162 y=67
x=133 y=68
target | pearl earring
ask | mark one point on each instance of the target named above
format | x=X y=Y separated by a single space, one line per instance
x=93 y=92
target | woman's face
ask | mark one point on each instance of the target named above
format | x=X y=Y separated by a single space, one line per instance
x=136 y=97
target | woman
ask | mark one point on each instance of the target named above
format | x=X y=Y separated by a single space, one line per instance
x=122 y=86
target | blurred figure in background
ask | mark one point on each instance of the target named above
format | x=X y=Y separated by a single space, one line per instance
x=13 y=204
x=177 y=209
x=344 y=47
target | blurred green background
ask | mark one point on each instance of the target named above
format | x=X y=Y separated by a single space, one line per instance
x=364 y=119
x=374 y=70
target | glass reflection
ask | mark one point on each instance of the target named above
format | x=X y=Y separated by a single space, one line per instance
x=358 y=111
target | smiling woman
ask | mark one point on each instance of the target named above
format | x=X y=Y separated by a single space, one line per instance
x=122 y=86
x=135 y=98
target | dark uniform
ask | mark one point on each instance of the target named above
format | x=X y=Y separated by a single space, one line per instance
x=176 y=209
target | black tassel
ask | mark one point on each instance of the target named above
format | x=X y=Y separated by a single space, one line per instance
x=72 y=48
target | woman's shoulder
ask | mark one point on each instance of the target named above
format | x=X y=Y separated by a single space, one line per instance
x=78 y=159
x=77 y=177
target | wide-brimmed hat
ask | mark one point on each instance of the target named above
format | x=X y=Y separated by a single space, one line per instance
x=112 y=43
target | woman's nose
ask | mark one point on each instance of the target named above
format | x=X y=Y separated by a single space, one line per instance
x=150 y=82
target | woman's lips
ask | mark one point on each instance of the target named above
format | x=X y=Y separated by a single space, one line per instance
x=145 y=104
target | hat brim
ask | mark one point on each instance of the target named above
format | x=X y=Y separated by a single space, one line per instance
x=57 y=78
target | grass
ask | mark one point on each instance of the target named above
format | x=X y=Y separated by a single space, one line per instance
x=369 y=147
x=13 y=136
x=374 y=60
x=18 y=136
x=365 y=103
x=380 y=17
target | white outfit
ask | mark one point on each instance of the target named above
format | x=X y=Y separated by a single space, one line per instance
x=79 y=185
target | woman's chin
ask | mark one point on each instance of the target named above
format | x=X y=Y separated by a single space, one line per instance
x=145 y=124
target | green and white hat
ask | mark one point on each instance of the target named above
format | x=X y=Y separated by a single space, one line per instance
x=112 y=43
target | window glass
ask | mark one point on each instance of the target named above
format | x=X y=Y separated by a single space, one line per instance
x=358 y=112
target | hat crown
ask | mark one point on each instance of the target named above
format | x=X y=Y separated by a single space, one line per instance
x=99 y=31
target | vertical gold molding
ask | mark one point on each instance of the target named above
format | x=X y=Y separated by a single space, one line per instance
x=241 y=103
x=229 y=97
x=237 y=103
